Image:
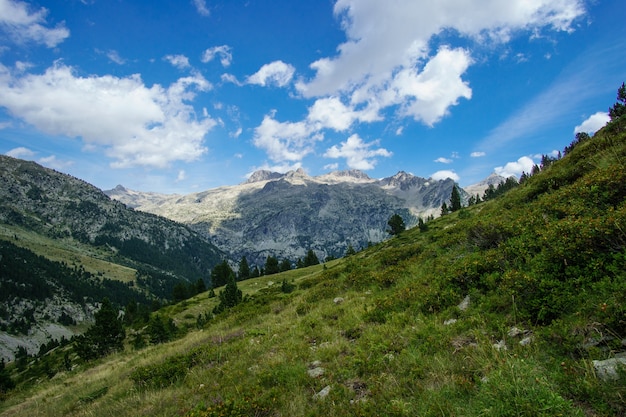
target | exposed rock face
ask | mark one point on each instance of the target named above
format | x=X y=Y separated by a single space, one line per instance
x=285 y=215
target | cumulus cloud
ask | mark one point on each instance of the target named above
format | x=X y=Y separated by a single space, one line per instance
x=284 y=142
x=593 y=123
x=136 y=125
x=223 y=52
x=331 y=113
x=443 y=160
x=386 y=60
x=201 y=7
x=179 y=61
x=275 y=73
x=515 y=169
x=23 y=24
x=357 y=153
x=445 y=174
x=477 y=154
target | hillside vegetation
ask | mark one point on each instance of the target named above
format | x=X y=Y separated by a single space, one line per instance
x=496 y=309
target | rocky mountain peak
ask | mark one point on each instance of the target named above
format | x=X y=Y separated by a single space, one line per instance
x=263 y=175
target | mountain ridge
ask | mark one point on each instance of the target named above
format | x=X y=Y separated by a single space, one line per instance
x=285 y=215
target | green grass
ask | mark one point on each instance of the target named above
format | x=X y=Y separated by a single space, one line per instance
x=70 y=251
x=546 y=258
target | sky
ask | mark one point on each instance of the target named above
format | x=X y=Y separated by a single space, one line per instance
x=182 y=96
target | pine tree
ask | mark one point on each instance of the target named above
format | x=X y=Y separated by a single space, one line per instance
x=619 y=108
x=105 y=336
x=444 y=209
x=285 y=265
x=230 y=297
x=311 y=258
x=455 y=199
x=244 y=269
x=396 y=225
x=350 y=251
x=271 y=265
x=220 y=274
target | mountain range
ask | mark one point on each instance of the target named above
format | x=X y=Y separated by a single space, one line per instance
x=285 y=215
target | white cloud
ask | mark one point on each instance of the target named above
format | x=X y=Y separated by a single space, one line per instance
x=5 y=125
x=357 y=153
x=275 y=73
x=285 y=142
x=230 y=78
x=179 y=61
x=332 y=167
x=386 y=59
x=593 y=123
x=23 y=24
x=135 y=124
x=443 y=160
x=477 y=154
x=182 y=175
x=399 y=131
x=282 y=168
x=201 y=7
x=331 y=113
x=445 y=174
x=223 y=51
x=21 y=153
x=515 y=169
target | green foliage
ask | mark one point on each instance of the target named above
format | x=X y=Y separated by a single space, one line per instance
x=168 y=372
x=230 y=297
x=455 y=199
x=311 y=258
x=244 y=269
x=6 y=383
x=271 y=265
x=161 y=329
x=220 y=274
x=236 y=408
x=396 y=225
x=619 y=108
x=105 y=336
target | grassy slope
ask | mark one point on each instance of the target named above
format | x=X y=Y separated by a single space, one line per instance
x=548 y=258
x=70 y=251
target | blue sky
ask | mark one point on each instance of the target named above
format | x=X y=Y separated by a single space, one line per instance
x=182 y=96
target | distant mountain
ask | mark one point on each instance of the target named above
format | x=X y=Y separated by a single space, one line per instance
x=285 y=215
x=74 y=242
x=480 y=187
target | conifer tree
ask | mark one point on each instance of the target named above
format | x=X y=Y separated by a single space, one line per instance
x=271 y=265
x=396 y=225
x=619 y=108
x=244 y=269
x=285 y=265
x=230 y=297
x=311 y=258
x=444 y=209
x=455 y=199
x=105 y=336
